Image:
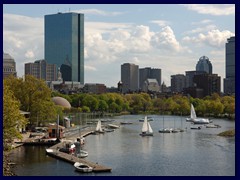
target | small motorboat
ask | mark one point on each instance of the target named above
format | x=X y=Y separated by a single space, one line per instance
x=175 y=130
x=82 y=167
x=113 y=126
x=212 y=126
x=82 y=154
x=165 y=130
x=196 y=127
x=108 y=130
x=123 y=123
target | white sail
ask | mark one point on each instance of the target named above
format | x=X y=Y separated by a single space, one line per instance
x=193 y=113
x=99 y=126
x=145 y=125
x=197 y=120
x=149 y=128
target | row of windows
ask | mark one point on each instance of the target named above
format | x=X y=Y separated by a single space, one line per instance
x=8 y=70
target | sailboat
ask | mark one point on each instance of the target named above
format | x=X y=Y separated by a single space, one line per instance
x=192 y=114
x=181 y=129
x=196 y=120
x=164 y=130
x=80 y=141
x=99 y=128
x=146 y=128
x=175 y=130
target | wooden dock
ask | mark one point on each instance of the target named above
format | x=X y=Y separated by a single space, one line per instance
x=72 y=159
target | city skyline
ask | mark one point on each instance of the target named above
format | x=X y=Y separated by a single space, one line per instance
x=146 y=35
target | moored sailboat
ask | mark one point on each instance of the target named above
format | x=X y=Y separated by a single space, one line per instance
x=165 y=130
x=99 y=128
x=193 y=118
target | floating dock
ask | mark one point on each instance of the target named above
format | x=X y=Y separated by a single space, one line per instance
x=53 y=151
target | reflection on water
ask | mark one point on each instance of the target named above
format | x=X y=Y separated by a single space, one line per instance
x=190 y=153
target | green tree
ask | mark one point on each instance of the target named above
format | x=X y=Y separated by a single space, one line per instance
x=12 y=119
x=86 y=109
x=146 y=102
x=43 y=112
x=90 y=102
x=103 y=106
x=34 y=96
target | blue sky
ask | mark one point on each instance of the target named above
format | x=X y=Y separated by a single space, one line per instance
x=167 y=36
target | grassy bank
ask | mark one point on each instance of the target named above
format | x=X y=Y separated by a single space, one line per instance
x=229 y=133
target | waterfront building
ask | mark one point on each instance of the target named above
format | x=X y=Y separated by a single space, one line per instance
x=204 y=65
x=229 y=81
x=64 y=44
x=178 y=83
x=129 y=77
x=56 y=131
x=95 y=88
x=65 y=87
x=210 y=83
x=149 y=73
x=151 y=85
x=9 y=66
x=41 y=70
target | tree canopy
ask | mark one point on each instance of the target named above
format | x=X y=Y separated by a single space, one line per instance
x=12 y=118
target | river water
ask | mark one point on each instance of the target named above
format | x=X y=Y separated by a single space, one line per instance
x=189 y=153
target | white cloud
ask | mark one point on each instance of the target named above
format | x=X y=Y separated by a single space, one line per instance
x=104 y=27
x=29 y=54
x=201 y=29
x=97 y=12
x=204 y=21
x=90 y=68
x=214 y=38
x=23 y=39
x=212 y=9
x=166 y=40
x=161 y=23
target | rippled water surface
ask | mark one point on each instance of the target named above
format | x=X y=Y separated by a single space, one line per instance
x=190 y=153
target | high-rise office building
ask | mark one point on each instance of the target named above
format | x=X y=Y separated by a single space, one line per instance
x=178 y=83
x=9 y=66
x=204 y=65
x=229 y=81
x=41 y=70
x=149 y=73
x=210 y=83
x=189 y=77
x=64 y=44
x=129 y=77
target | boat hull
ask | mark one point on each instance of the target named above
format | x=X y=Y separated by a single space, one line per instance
x=80 y=167
x=197 y=127
x=146 y=134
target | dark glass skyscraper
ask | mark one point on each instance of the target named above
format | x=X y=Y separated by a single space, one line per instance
x=229 y=81
x=204 y=65
x=64 y=44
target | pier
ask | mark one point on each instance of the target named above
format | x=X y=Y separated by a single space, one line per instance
x=54 y=152
x=70 y=158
